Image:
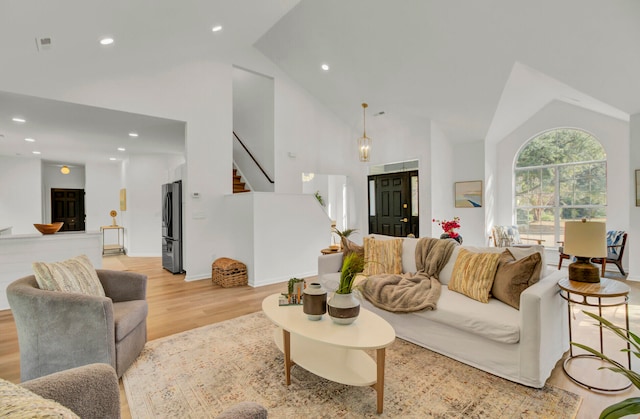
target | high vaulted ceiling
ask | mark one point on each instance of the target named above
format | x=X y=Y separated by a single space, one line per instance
x=453 y=61
x=476 y=68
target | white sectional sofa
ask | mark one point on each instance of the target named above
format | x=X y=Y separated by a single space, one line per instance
x=520 y=345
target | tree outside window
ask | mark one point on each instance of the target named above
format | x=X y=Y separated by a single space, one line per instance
x=560 y=175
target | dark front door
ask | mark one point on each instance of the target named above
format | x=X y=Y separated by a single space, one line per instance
x=393 y=204
x=67 y=205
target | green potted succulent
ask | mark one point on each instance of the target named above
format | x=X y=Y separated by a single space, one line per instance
x=631 y=405
x=343 y=307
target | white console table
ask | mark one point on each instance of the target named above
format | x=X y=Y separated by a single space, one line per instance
x=19 y=251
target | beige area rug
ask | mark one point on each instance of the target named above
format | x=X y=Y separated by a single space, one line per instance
x=199 y=373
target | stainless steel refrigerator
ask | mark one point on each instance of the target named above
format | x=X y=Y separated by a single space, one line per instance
x=172 y=227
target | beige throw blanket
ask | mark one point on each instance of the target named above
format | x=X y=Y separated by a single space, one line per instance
x=412 y=291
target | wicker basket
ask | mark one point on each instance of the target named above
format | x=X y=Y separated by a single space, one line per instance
x=228 y=272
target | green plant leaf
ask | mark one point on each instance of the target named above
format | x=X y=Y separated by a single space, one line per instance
x=621 y=332
x=626 y=407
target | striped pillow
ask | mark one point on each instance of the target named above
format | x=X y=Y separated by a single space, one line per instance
x=473 y=274
x=382 y=256
x=76 y=275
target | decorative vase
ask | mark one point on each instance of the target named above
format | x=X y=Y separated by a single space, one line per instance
x=343 y=308
x=314 y=301
x=458 y=238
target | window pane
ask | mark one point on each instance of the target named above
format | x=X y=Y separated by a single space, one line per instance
x=372 y=198
x=563 y=172
x=414 y=196
x=576 y=214
x=537 y=223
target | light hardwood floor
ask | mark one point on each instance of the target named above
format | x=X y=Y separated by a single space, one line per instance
x=176 y=306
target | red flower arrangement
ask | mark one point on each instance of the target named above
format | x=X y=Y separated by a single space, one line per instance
x=449 y=226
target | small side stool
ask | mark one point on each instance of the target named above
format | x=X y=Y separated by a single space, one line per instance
x=228 y=272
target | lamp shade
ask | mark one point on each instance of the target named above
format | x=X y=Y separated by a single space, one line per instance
x=585 y=238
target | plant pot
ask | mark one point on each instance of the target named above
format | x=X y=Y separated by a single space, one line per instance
x=458 y=238
x=343 y=308
x=314 y=301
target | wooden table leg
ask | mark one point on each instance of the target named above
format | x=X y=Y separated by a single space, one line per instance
x=380 y=354
x=286 y=336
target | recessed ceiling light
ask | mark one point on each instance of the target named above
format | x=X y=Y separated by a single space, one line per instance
x=121 y=149
x=133 y=134
x=325 y=67
x=30 y=140
x=35 y=152
x=106 y=41
x=18 y=120
x=112 y=158
x=216 y=28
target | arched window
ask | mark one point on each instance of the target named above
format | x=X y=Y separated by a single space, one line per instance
x=560 y=175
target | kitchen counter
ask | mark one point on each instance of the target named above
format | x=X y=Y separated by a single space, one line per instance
x=19 y=251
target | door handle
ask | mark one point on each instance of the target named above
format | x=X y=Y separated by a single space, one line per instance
x=404 y=220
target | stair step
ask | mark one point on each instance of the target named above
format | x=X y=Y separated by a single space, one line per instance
x=238 y=185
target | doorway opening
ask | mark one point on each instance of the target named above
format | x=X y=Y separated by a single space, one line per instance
x=67 y=205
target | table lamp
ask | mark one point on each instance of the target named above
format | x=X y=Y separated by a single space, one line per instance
x=585 y=240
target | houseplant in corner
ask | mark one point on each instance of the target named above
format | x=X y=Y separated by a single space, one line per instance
x=631 y=405
x=343 y=307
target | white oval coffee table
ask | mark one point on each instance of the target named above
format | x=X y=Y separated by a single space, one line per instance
x=332 y=351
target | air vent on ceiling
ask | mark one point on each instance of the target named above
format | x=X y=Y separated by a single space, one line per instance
x=43 y=44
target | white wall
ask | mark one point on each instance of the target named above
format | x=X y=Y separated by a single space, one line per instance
x=634 y=211
x=145 y=177
x=471 y=219
x=102 y=186
x=612 y=133
x=253 y=122
x=442 y=197
x=278 y=236
x=20 y=194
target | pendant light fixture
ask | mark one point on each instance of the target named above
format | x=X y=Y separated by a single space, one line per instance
x=364 y=142
x=65 y=170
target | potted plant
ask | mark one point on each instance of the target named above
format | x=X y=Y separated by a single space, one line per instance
x=449 y=227
x=343 y=307
x=631 y=405
x=344 y=238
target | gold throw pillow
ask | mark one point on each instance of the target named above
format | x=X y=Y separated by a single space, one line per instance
x=473 y=274
x=382 y=256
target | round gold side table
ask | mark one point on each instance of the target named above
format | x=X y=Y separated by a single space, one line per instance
x=592 y=295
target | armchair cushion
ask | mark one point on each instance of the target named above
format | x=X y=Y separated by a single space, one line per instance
x=76 y=275
x=127 y=315
x=614 y=242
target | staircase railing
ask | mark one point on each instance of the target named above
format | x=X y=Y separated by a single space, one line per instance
x=253 y=158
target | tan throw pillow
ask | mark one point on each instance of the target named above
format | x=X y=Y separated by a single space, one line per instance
x=514 y=276
x=382 y=256
x=76 y=275
x=18 y=402
x=473 y=274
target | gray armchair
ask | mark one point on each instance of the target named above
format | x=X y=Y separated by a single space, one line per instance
x=58 y=330
x=90 y=391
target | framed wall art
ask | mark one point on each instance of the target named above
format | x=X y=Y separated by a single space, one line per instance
x=123 y=199
x=469 y=194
